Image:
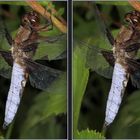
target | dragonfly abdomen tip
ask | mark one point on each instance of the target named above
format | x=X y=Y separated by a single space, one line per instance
x=5 y=124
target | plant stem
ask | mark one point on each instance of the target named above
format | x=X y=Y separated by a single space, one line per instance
x=40 y=9
x=135 y=4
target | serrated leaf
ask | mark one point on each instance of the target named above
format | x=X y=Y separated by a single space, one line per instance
x=51 y=102
x=51 y=50
x=80 y=79
x=88 y=134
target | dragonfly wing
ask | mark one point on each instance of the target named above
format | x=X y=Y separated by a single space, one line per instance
x=4 y=32
x=41 y=76
x=134 y=69
x=104 y=29
x=102 y=61
x=5 y=71
x=56 y=43
x=108 y=55
x=98 y=60
x=28 y=45
x=133 y=47
x=63 y=55
x=135 y=79
x=7 y=57
x=133 y=65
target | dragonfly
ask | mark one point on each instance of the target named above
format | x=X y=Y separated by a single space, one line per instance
x=20 y=58
x=122 y=60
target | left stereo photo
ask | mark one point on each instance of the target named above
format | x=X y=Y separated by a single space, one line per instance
x=33 y=69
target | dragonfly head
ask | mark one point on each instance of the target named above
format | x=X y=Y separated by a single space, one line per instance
x=31 y=20
x=133 y=18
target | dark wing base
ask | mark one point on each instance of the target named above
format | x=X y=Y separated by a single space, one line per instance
x=134 y=70
x=135 y=79
x=108 y=55
x=7 y=57
x=41 y=76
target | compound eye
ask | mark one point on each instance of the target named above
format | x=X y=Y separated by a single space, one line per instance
x=33 y=21
x=128 y=20
x=135 y=20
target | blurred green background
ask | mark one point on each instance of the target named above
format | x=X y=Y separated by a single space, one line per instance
x=41 y=115
x=91 y=74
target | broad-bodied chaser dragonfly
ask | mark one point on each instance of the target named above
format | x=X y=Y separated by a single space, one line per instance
x=121 y=61
x=20 y=57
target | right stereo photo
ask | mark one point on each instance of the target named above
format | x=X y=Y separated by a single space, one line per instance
x=106 y=70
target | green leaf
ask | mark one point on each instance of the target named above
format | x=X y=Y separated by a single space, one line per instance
x=19 y=3
x=60 y=12
x=127 y=123
x=1 y=137
x=88 y=134
x=22 y=3
x=50 y=129
x=52 y=50
x=100 y=65
x=120 y=3
x=5 y=69
x=80 y=79
x=96 y=62
x=48 y=103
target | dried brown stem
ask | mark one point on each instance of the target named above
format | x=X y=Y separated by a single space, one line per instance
x=40 y=9
x=55 y=12
x=135 y=4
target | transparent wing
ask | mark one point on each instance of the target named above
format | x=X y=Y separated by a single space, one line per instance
x=48 y=48
x=135 y=79
x=106 y=33
x=134 y=70
x=6 y=61
x=41 y=76
x=102 y=41
x=7 y=57
x=99 y=60
x=4 y=33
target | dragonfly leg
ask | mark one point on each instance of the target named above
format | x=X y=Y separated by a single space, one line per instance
x=46 y=27
x=8 y=37
x=50 y=23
